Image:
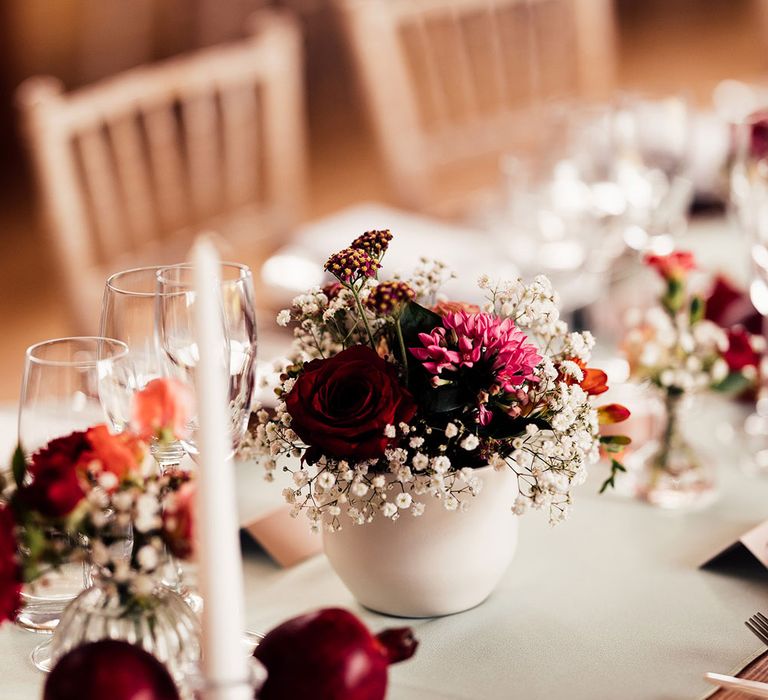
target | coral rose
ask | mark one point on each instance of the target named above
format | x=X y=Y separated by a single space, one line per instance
x=162 y=409
x=341 y=406
x=675 y=265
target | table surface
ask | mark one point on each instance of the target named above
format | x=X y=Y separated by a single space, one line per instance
x=610 y=604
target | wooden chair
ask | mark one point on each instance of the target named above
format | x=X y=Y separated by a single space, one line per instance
x=449 y=81
x=130 y=168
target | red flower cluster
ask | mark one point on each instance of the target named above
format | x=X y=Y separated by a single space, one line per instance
x=341 y=406
x=758 y=136
x=60 y=472
x=375 y=243
x=351 y=264
x=673 y=266
x=10 y=572
x=740 y=352
x=57 y=486
x=387 y=296
x=732 y=309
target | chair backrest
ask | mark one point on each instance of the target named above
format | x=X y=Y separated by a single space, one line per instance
x=448 y=80
x=130 y=168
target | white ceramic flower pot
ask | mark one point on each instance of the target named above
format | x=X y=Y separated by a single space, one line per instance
x=439 y=563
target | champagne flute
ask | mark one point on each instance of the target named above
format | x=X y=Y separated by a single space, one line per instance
x=749 y=207
x=129 y=306
x=60 y=395
x=175 y=320
x=128 y=314
x=651 y=142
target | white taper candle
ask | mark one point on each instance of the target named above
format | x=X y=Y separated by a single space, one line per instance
x=220 y=563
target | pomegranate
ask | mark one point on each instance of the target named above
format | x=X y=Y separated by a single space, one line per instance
x=109 y=669
x=330 y=655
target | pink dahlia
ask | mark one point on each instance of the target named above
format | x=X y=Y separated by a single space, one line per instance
x=486 y=337
x=497 y=354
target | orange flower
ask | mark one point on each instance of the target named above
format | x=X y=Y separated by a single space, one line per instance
x=595 y=381
x=673 y=266
x=120 y=455
x=443 y=308
x=612 y=413
x=162 y=410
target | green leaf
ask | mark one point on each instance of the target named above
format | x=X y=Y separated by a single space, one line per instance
x=697 y=309
x=416 y=319
x=674 y=298
x=616 y=469
x=443 y=399
x=621 y=440
x=19 y=466
x=734 y=383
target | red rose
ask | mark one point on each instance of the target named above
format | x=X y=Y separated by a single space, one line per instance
x=55 y=489
x=341 y=406
x=740 y=353
x=10 y=572
x=729 y=306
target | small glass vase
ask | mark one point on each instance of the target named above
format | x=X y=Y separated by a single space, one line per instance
x=161 y=623
x=675 y=476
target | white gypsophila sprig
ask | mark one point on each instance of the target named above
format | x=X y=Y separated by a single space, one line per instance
x=427 y=279
x=533 y=307
x=674 y=354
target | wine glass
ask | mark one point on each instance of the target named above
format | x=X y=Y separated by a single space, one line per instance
x=651 y=144
x=128 y=311
x=238 y=338
x=560 y=208
x=60 y=395
x=749 y=207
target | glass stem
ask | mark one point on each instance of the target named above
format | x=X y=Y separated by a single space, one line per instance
x=670 y=404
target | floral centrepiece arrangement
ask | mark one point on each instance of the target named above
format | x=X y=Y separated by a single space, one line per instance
x=392 y=397
x=97 y=497
x=680 y=352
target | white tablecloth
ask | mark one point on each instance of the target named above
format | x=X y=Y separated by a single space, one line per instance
x=610 y=604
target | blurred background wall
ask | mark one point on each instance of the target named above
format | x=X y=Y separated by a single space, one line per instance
x=663 y=45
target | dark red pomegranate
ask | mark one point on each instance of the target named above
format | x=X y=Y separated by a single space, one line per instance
x=109 y=670
x=330 y=655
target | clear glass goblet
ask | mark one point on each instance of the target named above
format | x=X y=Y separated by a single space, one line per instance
x=128 y=310
x=60 y=395
x=651 y=141
x=749 y=208
x=238 y=338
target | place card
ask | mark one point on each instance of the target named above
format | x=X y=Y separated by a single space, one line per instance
x=286 y=539
x=748 y=554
